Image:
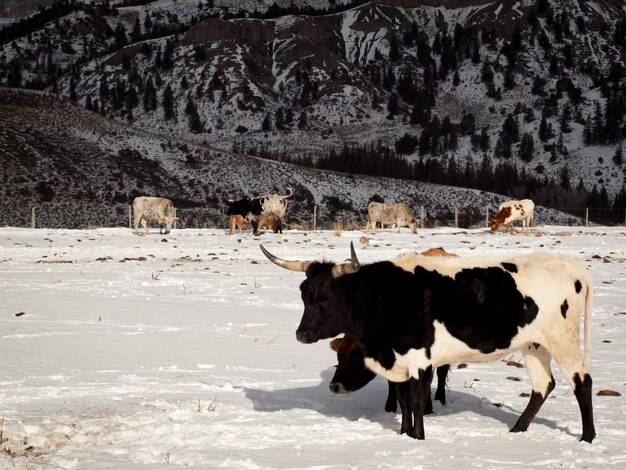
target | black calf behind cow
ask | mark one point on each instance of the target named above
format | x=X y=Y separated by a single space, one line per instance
x=271 y=206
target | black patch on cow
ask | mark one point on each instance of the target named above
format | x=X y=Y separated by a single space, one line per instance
x=387 y=308
x=564 y=308
x=488 y=318
x=245 y=207
x=511 y=267
x=536 y=345
x=578 y=286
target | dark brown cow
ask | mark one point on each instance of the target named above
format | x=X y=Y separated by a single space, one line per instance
x=352 y=375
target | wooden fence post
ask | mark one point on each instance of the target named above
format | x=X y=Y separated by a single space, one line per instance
x=456 y=218
x=32 y=217
x=130 y=217
x=422 y=215
x=586 y=217
x=314 y=217
x=487 y=217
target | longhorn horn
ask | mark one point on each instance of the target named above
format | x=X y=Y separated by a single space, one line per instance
x=347 y=268
x=301 y=266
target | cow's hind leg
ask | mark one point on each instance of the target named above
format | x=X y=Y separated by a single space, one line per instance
x=570 y=362
x=442 y=376
x=537 y=361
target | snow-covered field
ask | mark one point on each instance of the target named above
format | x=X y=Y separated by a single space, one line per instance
x=127 y=352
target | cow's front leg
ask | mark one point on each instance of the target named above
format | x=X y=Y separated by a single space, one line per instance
x=419 y=394
x=391 y=405
x=402 y=392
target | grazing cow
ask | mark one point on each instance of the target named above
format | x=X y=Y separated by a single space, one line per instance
x=396 y=215
x=234 y=222
x=271 y=206
x=352 y=374
x=275 y=225
x=159 y=209
x=510 y=211
x=414 y=313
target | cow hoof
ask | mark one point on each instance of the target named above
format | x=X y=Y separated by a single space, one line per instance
x=517 y=428
x=588 y=438
x=391 y=408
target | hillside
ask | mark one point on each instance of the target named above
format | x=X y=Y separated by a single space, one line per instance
x=539 y=87
x=79 y=168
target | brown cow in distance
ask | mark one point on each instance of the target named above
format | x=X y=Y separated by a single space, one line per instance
x=510 y=211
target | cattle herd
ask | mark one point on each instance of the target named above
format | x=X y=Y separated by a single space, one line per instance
x=266 y=211
x=408 y=317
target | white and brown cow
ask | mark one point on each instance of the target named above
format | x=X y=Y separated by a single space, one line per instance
x=158 y=209
x=397 y=215
x=510 y=211
x=414 y=313
x=270 y=206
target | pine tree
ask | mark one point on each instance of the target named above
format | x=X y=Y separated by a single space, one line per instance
x=72 y=90
x=14 y=77
x=510 y=128
x=618 y=157
x=564 y=179
x=393 y=105
x=135 y=33
x=195 y=124
x=266 y=125
x=527 y=147
x=503 y=147
x=302 y=120
x=394 y=49
x=545 y=129
x=168 y=103
x=566 y=117
x=119 y=36
x=537 y=88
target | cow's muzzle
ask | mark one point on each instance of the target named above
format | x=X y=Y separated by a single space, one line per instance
x=338 y=388
x=305 y=337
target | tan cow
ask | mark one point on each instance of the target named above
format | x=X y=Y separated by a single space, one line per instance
x=275 y=224
x=397 y=215
x=159 y=209
x=236 y=221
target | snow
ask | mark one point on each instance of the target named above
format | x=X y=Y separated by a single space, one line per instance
x=119 y=351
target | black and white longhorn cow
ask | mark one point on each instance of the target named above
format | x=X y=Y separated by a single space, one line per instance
x=271 y=206
x=415 y=313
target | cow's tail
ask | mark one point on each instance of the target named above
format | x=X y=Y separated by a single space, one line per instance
x=290 y=189
x=587 y=325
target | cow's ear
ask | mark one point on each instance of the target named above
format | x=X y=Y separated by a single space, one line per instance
x=335 y=344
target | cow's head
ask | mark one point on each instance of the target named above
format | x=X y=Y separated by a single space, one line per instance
x=413 y=225
x=168 y=221
x=500 y=217
x=324 y=297
x=351 y=373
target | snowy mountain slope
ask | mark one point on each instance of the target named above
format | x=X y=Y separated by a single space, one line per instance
x=311 y=82
x=81 y=169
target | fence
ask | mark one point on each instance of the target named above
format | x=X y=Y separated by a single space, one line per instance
x=120 y=215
